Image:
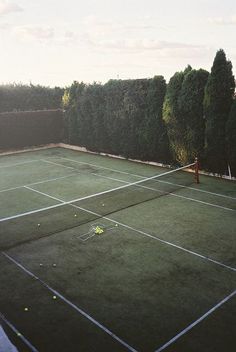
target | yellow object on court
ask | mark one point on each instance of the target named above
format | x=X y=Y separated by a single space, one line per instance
x=98 y=230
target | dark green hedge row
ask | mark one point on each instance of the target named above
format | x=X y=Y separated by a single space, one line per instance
x=231 y=138
x=22 y=129
x=19 y=97
x=194 y=115
x=119 y=117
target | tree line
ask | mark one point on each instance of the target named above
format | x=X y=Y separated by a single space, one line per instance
x=21 y=97
x=122 y=117
x=193 y=115
x=147 y=119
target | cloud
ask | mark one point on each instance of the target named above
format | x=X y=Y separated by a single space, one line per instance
x=136 y=36
x=5 y=26
x=222 y=21
x=34 y=32
x=94 y=24
x=7 y=7
x=70 y=34
x=145 y=45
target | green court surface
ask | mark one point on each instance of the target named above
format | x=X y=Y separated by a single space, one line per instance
x=160 y=276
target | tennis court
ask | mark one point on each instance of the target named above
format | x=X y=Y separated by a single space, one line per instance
x=104 y=254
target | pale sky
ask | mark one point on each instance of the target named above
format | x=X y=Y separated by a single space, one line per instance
x=54 y=42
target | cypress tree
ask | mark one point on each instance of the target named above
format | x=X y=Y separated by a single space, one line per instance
x=154 y=143
x=19 y=97
x=135 y=108
x=115 y=120
x=70 y=101
x=90 y=119
x=191 y=109
x=173 y=118
x=231 y=138
x=217 y=103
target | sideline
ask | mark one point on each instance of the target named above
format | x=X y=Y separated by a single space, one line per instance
x=72 y=305
x=12 y=348
x=136 y=230
x=189 y=327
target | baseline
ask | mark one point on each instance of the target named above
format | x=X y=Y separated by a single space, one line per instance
x=23 y=163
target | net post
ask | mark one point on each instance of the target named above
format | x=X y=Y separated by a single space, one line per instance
x=196 y=170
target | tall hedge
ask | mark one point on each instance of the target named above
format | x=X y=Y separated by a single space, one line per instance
x=153 y=139
x=120 y=117
x=173 y=117
x=125 y=115
x=191 y=111
x=231 y=139
x=20 y=97
x=70 y=101
x=91 y=131
x=217 y=104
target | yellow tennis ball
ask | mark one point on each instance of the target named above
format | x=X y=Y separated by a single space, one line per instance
x=54 y=297
x=26 y=309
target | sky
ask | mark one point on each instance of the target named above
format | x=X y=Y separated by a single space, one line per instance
x=55 y=42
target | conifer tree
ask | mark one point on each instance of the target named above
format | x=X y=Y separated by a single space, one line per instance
x=231 y=138
x=191 y=111
x=154 y=143
x=70 y=104
x=173 y=118
x=217 y=103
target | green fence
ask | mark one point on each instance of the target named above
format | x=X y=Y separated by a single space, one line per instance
x=31 y=128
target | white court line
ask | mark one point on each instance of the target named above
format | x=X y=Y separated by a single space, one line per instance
x=157 y=180
x=61 y=165
x=128 y=183
x=199 y=190
x=115 y=170
x=85 y=197
x=142 y=232
x=72 y=305
x=189 y=327
x=31 y=212
x=139 y=176
x=17 y=332
x=109 y=191
x=17 y=164
x=44 y=194
x=38 y=183
x=158 y=239
x=170 y=193
x=101 y=167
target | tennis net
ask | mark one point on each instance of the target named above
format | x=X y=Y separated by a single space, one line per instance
x=46 y=221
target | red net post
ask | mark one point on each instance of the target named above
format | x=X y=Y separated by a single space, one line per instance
x=196 y=170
